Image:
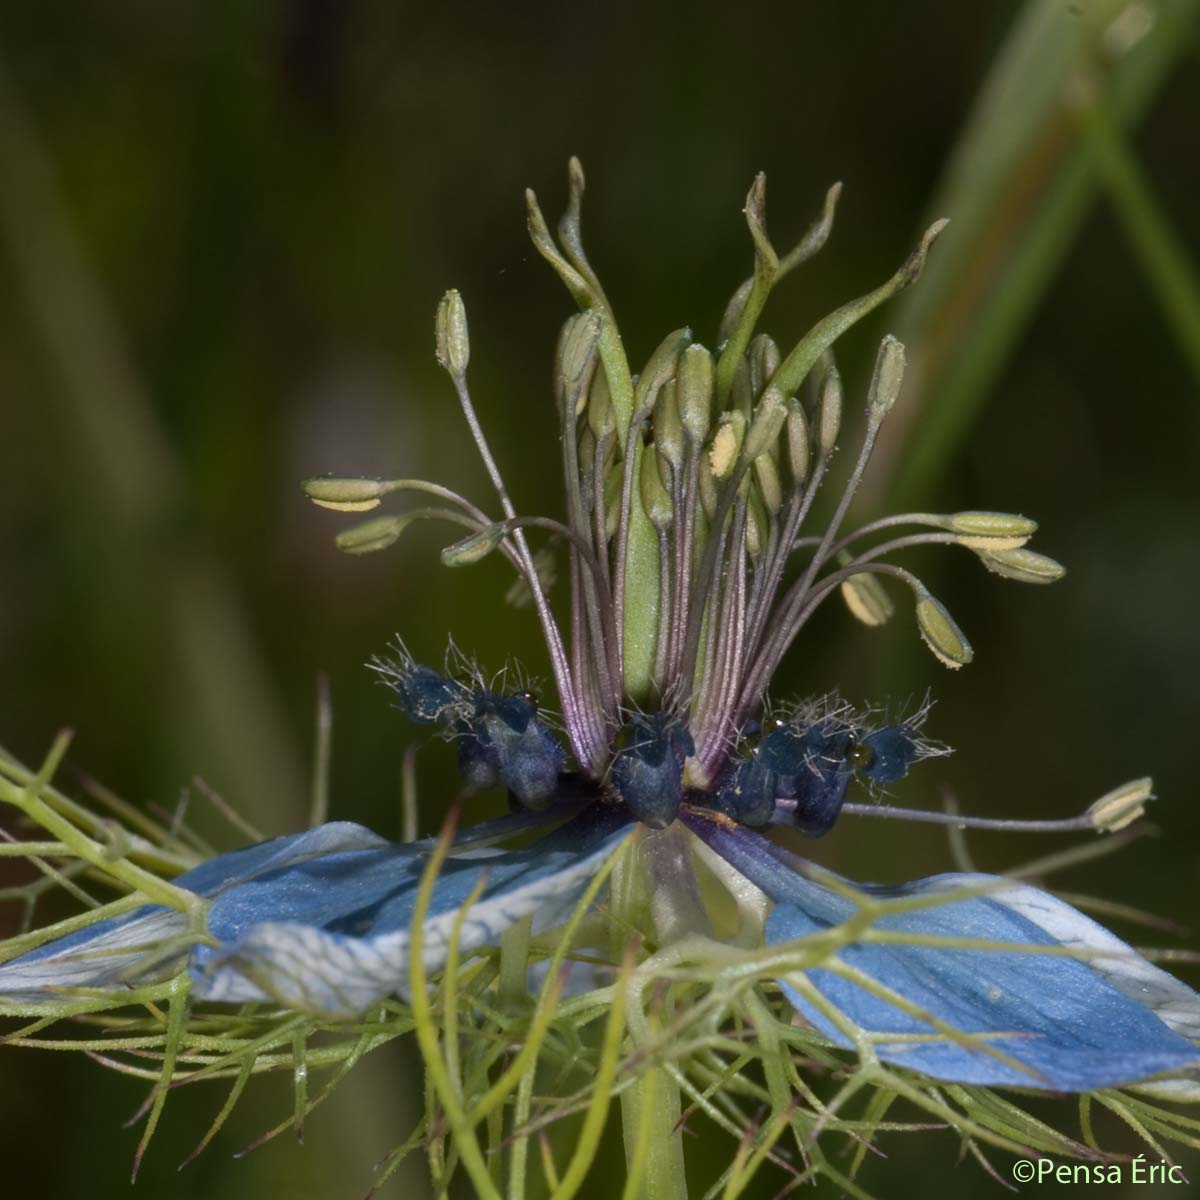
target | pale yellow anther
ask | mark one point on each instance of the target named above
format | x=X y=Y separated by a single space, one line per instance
x=766 y=476
x=453 y=342
x=726 y=444
x=346 y=495
x=471 y=549
x=887 y=379
x=941 y=634
x=1024 y=566
x=990 y=545
x=577 y=356
x=376 y=534
x=866 y=599
x=799 y=453
x=829 y=415
x=991 y=525
x=668 y=429
x=1122 y=806
x=694 y=384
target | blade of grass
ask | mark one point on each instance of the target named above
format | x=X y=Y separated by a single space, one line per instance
x=1019 y=184
x=1164 y=259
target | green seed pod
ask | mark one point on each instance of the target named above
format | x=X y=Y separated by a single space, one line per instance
x=941 y=634
x=694 y=392
x=346 y=495
x=1025 y=566
x=798 y=442
x=471 y=549
x=887 y=378
x=453 y=343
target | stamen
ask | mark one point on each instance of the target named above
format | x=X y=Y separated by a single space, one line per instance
x=721 y=729
x=360 y=495
x=592 y=644
x=585 y=741
x=885 y=387
x=799 y=504
x=666 y=595
x=694 y=390
x=730 y=466
x=993 y=530
x=726 y=633
x=1131 y=798
x=632 y=464
x=890 y=353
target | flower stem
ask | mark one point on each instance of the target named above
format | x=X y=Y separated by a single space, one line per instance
x=654 y=1099
x=650 y=1107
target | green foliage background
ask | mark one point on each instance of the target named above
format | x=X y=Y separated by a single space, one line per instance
x=225 y=229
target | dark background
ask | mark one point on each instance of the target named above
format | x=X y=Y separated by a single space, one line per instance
x=226 y=229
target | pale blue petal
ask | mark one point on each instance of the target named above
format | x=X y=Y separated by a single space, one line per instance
x=332 y=935
x=1075 y=1025
x=107 y=954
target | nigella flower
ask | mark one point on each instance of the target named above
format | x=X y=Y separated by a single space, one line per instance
x=691 y=571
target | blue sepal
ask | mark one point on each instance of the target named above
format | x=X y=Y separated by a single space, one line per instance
x=647 y=770
x=893 y=750
x=1066 y=1024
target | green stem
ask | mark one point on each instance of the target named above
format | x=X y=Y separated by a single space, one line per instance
x=654 y=1099
x=651 y=1106
x=29 y=801
x=514 y=962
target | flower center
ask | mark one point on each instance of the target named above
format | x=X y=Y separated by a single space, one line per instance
x=794 y=769
x=688 y=488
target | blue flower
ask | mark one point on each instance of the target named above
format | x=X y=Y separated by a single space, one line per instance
x=321 y=922
x=687 y=491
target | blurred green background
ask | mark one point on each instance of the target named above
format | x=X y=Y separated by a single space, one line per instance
x=224 y=232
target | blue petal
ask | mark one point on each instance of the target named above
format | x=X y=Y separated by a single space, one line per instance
x=115 y=953
x=331 y=935
x=1072 y=1024
x=105 y=954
